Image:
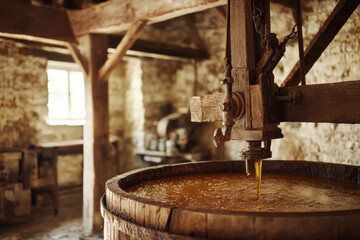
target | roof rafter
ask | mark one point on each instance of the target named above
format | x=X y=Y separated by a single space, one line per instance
x=42 y=24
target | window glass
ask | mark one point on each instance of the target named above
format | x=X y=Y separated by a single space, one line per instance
x=77 y=106
x=77 y=82
x=66 y=95
x=57 y=81
x=58 y=106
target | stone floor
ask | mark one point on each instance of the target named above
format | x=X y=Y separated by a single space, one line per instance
x=43 y=224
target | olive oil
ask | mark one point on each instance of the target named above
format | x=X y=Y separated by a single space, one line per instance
x=237 y=192
x=258 y=169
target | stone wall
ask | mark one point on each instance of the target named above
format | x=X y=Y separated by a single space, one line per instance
x=137 y=87
x=305 y=141
x=23 y=101
x=325 y=142
x=23 y=108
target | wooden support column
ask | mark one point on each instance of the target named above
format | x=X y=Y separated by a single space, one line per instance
x=242 y=55
x=97 y=168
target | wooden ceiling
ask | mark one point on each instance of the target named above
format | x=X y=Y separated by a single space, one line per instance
x=64 y=22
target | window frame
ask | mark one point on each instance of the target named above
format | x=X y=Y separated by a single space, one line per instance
x=68 y=67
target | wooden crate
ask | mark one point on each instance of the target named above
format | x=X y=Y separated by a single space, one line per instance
x=14 y=201
x=11 y=162
x=30 y=167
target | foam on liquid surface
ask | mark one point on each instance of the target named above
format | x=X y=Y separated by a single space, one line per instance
x=237 y=192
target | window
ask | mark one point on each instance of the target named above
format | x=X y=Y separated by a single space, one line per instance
x=66 y=98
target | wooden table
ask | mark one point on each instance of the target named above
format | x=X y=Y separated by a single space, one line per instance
x=49 y=151
x=159 y=157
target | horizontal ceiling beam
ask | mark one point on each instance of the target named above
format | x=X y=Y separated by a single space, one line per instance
x=160 y=49
x=43 y=24
x=141 y=48
x=116 y=16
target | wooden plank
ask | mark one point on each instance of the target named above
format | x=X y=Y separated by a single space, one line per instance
x=33 y=22
x=125 y=44
x=332 y=102
x=11 y=162
x=322 y=39
x=117 y=16
x=30 y=167
x=242 y=53
x=187 y=222
x=14 y=201
x=97 y=167
x=11 y=156
x=43 y=182
x=220 y=11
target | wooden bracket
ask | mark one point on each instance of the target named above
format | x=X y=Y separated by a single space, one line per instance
x=125 y=44
x=322 y=39
x=221 y=13
x=78 y=57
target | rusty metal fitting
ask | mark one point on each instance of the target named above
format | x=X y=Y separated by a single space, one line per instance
x=253 y=152
x=225 y=106
x=249 y=167
x=220 y=138
x=227 y=80
x=239 y=105
x=295 y=98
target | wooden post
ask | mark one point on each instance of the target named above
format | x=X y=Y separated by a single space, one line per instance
x=96 y=133
x=242 y=53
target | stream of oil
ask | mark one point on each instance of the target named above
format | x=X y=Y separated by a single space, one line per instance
x=258 y=169
x=237 y=192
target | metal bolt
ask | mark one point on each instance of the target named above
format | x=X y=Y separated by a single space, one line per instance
x=224 y=106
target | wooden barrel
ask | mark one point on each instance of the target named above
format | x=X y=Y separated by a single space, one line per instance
x=129 y=217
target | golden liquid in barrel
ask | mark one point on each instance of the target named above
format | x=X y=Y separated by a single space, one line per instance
x=237 y=192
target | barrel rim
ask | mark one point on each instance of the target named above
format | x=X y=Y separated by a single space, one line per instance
x=114 y=184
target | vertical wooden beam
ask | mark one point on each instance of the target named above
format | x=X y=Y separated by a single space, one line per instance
x=96 y=133
x=242 y=52
x=126 y=43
